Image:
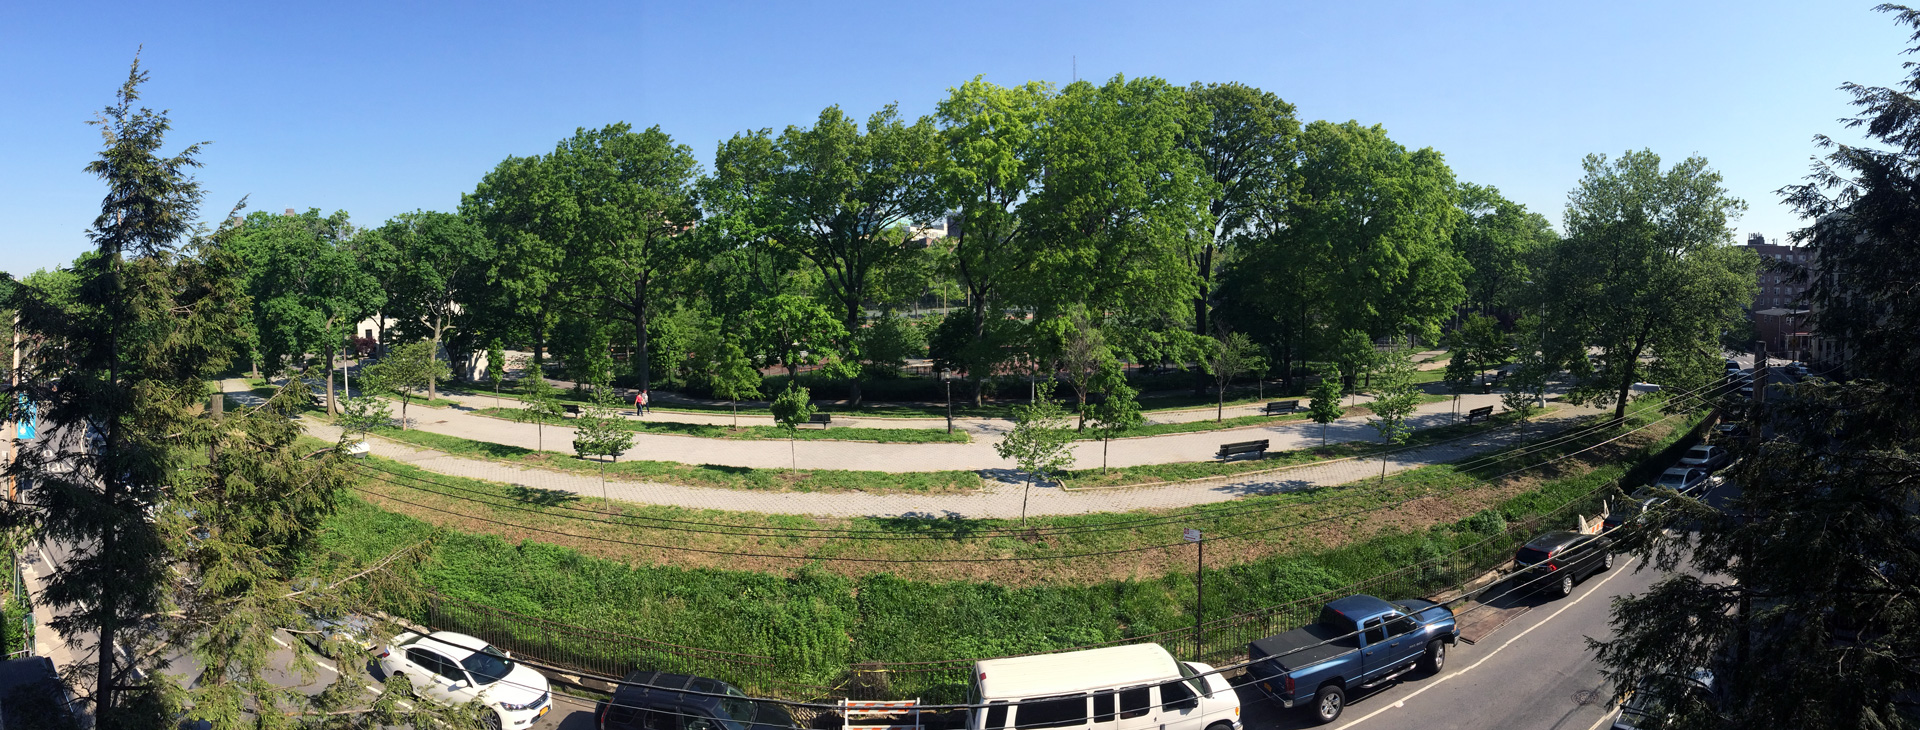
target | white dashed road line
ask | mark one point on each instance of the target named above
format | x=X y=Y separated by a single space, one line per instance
x=1509 y=642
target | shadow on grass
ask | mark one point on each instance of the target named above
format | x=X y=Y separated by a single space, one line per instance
x=540 y=497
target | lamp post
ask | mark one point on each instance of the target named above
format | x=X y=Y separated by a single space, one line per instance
x=1543 y=348
x=946 y=378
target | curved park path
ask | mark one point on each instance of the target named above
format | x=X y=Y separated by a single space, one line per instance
x=867 y=456
x=1001 y=497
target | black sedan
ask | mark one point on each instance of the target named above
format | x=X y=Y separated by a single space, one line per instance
x=1557 y=560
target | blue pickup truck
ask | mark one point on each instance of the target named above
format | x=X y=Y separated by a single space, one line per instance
x=1360 y=642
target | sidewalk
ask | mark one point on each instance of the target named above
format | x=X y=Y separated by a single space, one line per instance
x=999 y=500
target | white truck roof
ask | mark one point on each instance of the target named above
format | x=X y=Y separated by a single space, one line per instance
x=1075 y=671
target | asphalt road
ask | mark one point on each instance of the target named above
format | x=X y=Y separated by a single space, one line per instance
x=1535 y=672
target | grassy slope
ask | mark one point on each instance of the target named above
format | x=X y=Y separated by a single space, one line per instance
x=699 y=475
x=818 y=618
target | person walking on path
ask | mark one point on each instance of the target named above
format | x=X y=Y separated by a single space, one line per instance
x=640 y=404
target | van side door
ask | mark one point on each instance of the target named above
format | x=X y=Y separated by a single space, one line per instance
x=1179 y=706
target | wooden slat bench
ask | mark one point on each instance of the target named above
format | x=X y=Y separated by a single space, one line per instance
x=822 y=419
x=1480 y=414
x=1283 y=406
x=1228 y=451
x=572 y=410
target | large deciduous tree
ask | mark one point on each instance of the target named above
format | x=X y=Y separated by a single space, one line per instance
x=440 y=262
x=1645 y=271
x=841 y=197
x=635 y=196
x=1120 y=198
x=311 y=283
x=992 y=138
x=523 y=205
x=1247 y=149
x=1498 y=238
x=1383 y=217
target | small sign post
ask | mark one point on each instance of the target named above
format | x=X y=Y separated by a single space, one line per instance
x=1199 y=584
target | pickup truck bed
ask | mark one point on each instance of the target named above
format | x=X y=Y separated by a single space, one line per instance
x=1303 y=647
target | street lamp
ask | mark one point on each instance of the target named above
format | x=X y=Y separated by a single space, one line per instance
x=1543 y=349
x=946 y=378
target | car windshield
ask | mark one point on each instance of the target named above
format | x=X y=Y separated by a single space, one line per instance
x=1673 y=479
x=487 y=667
x=1700 y=452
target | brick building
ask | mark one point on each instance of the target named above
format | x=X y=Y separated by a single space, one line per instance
x=1776 y=290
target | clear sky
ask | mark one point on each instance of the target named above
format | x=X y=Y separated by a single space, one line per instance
x=381 y=108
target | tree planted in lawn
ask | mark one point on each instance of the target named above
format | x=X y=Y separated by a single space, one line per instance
x=1324 y=407
x=791 y=408
x=409 y=369
x=1040 y=442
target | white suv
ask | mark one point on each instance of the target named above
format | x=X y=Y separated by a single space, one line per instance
x=454 y=669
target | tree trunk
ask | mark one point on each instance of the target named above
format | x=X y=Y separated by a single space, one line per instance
x=433 y=356
x=1202 y=312
x=643 y=362
x=330 y=406
x=403 y=411
x=1220 y=403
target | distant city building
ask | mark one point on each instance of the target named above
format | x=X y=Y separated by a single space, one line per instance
x=1776 y=286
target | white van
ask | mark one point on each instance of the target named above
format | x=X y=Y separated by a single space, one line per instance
x=1137 y=687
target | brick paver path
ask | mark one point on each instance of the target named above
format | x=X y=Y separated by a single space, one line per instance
x=1000 y=498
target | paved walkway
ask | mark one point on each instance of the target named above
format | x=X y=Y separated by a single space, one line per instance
x=1000 y=499
x=978 y=455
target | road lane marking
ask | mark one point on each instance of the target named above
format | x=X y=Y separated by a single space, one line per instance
x=323 y=665
x=1604 y=717
x=1435 y=683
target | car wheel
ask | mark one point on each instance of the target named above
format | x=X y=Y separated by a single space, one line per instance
x=1328 y=702
x=493 y=721
x=1606 y=563
x=1566 y=585
x=1436 y=658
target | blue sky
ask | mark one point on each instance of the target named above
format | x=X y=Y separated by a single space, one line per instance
x=382 y=108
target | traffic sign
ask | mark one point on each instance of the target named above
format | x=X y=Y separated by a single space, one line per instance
x=1192 y=535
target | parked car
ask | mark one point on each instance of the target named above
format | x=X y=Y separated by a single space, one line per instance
x=1557 y=560
x=356 y=630
x=1743 y=375
x=1732 y=365
x=1710 y=458
x=1360 y=642
x=1685 y=479
x=1799 y=370
x=649 y=700
x=1725 y=431
x=1637 y=504
x=1138 y=685
x=1645 y=710
x=453 y=669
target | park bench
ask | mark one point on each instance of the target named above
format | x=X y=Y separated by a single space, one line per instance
x=572 y=410
x=1228 y=451
x=1480 y=414
x=823 y=419
x=1283 y=406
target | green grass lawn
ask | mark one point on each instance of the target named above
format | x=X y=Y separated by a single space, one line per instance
x=699 y=475
x=1151 y=473
x=761 y=433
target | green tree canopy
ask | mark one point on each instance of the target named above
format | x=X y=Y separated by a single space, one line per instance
x=1113 y=220
x=840 y=197
x=1645 y=270
x=1499 y=239
x=637 y=207
x=440 y=260
x=310 y=284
